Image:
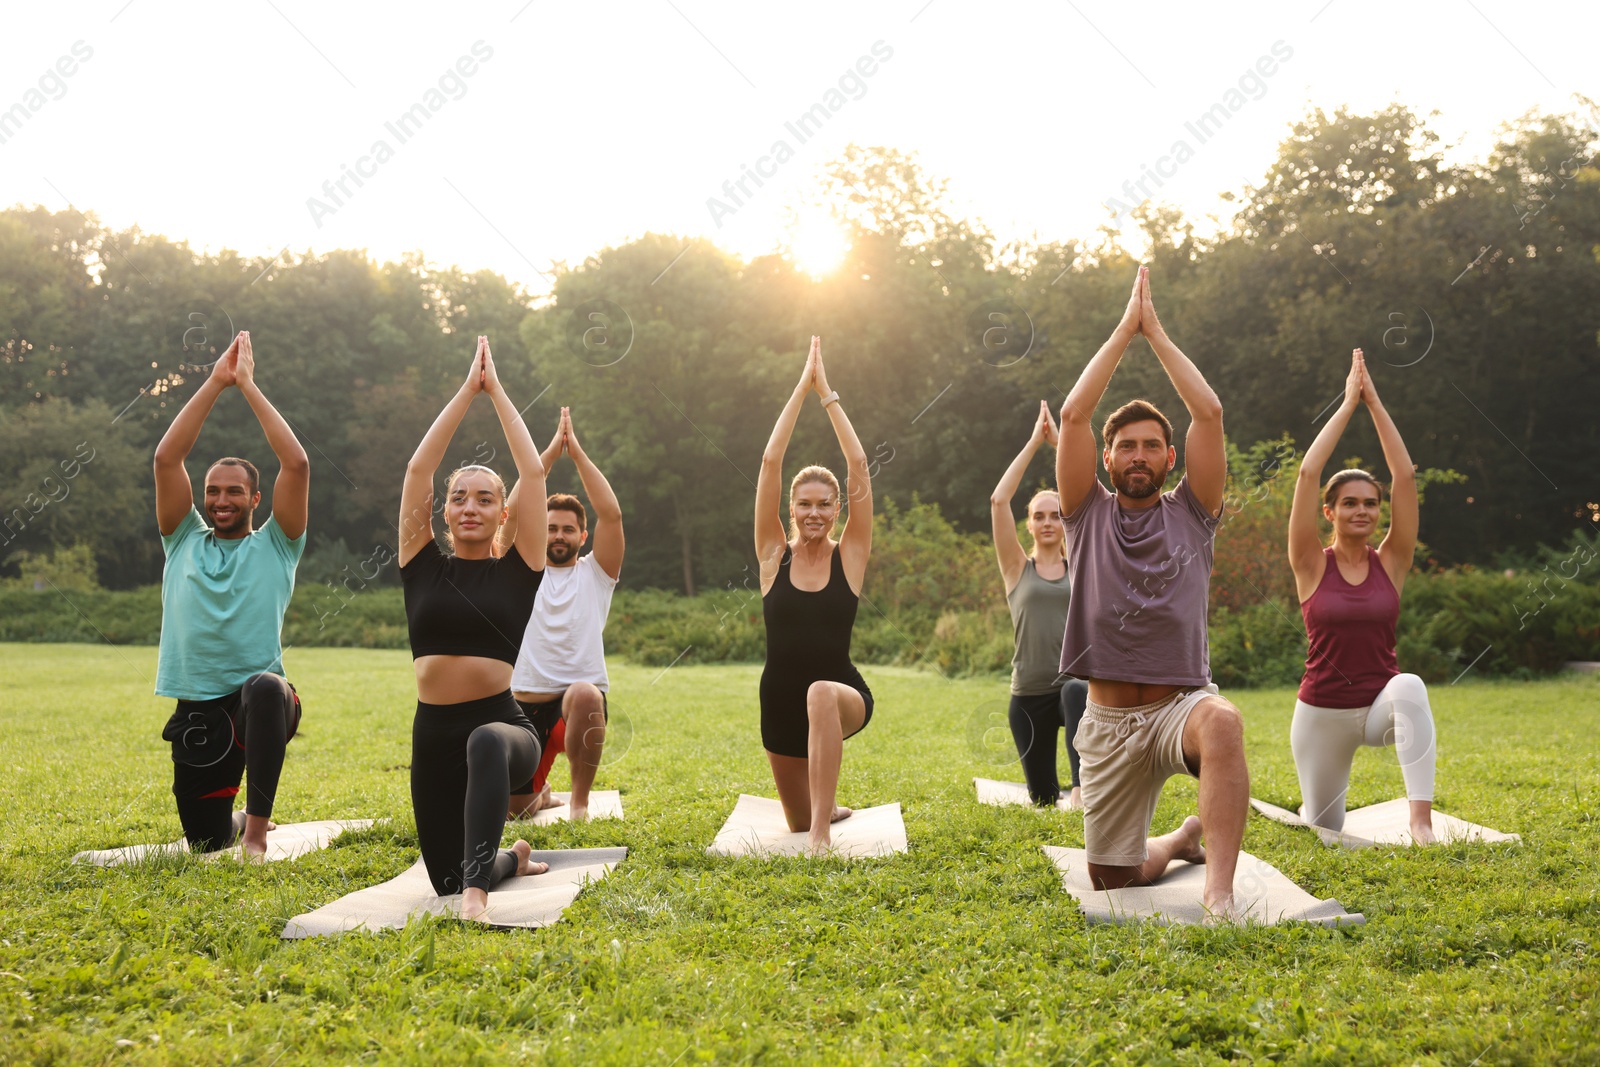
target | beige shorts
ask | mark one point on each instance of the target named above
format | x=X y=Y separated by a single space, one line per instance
x=1127 y=755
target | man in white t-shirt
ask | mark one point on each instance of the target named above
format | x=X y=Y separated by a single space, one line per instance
x=560 y=678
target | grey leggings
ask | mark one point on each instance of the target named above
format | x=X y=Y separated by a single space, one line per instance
x=1324 y=741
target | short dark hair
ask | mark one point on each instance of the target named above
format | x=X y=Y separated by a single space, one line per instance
x=568 y=502
x=249 y=469
x=1354 y=474
x=1135 y=411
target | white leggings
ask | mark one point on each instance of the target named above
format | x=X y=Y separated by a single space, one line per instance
x=1324 y=742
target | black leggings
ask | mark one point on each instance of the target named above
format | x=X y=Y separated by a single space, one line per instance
x=1034 y=722
x=464 y=758
x=214 y=743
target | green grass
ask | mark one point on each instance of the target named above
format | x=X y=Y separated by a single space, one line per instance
x=965 y=950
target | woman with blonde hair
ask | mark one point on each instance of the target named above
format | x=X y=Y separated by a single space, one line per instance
x=812 y=696
x=1043 y=700
x=466 y=613
x=1353 y=693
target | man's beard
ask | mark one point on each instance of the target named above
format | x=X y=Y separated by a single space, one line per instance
x=1123 y=483
x=240 y=521
x=558 y=552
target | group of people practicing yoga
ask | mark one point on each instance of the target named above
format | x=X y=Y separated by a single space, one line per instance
x=1108 y=609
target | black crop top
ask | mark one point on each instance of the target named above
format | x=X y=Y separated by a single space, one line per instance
x=468 y=607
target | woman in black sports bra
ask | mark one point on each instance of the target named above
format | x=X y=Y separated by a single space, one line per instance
x=812 y=696
x=466 y=613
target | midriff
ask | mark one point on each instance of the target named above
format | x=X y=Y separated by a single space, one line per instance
x=1110 y=694
x=454 y=679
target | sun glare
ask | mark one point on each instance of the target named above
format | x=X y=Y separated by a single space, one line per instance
x=818 y=246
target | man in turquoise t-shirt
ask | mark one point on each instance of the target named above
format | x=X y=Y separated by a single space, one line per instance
x=223 y=595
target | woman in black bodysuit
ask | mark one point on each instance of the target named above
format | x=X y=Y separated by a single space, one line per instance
x=466 y=613
x=812 y=696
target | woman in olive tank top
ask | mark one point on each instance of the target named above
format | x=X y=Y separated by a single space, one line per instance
x=812 y=696
x=1038 y=592
x=1353 y=693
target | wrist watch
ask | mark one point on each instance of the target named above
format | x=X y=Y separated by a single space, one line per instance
x=831 y=398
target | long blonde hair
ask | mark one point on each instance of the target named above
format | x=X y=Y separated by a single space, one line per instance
x=809 y=474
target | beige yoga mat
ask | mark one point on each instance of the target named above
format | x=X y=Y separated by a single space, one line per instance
x=1388 y=823
x=1007 y=793
x=603 y=804
x=288 y=841
x=533 y=901
x=1261 y=894
x=757 y=828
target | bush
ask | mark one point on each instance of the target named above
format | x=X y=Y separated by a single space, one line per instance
x=122 y=617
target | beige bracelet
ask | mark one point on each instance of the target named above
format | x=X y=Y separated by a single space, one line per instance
x=831 y=398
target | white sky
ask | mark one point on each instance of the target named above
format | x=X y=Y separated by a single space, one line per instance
x=594 y=123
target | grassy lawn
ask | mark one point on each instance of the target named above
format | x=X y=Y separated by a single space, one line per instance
x=963 y=951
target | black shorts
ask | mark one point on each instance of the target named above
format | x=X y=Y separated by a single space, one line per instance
x=544 y=714
x=207 y=737
x=785 y=721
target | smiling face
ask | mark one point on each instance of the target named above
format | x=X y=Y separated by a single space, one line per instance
x=814 y=507
x=474 y=508
x=230 y=500
x=1355 y=510
x=1139 y=459
x=563 y=538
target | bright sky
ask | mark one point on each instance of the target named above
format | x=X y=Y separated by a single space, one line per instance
x=570 y=127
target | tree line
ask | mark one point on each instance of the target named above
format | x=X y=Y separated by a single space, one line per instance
x=1471 y=285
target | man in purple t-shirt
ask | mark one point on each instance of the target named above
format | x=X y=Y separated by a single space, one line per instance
x=1140 y=563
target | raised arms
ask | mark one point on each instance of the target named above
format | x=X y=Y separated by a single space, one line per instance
x=532 y=528
x=416 y=494
x=1205 y=457
x=855 y=543
x=174 y=491
x=1076 y=455
x=547 y=460
x=608 y=539
x=1305 y=544
x=770 y=536
x=292 y=490
x=1400 y=543
x=1007 y=546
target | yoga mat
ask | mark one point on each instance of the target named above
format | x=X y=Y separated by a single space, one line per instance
x=603 y=804
x=1261 y=894
x=1388 y=823
x=1007 y=793
x=757 y=828
x=534 y=901
x=287 y=842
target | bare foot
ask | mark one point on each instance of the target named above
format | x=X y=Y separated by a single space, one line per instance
x=819 y=845
x=1422 y=822
x=546 y=799
x=1220 y=910
x=474 y=902
x=526 y=866
x=1073 y=801
x=253 y=842
x=840 y=813
x=1186 y=842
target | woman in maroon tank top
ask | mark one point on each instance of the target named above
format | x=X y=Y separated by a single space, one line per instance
x=1353 y=693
